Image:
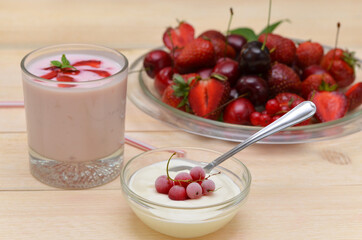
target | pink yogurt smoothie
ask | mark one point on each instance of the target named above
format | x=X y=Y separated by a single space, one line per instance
x=81 y=119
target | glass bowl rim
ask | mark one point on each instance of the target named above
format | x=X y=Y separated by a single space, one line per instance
x=134 y=196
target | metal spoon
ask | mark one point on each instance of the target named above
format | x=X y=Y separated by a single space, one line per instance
x=298 y=114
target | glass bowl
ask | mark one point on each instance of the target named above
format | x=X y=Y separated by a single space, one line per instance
x=143 y=94
x=192 y=217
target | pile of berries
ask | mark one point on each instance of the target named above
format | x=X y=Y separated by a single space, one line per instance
x=230 y=79
x=192 y=185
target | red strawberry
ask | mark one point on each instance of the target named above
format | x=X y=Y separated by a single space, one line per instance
x=176 y=94
x=317 y=82
x=100 y=73
x=309 y=53
x=207 y=95
x=198 y=53
x=354 y=96
x=330 y=105
x=282 y=78
x=50 y=75
x=178 y=37
x=171 y=99
x=340 y=64
x=288 y=99
x=222 y=49
x=281 y=49
x=91 y=63
x=64 y=78
x=213 y=34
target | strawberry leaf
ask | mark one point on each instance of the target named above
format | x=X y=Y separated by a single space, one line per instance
x=273 y=26
x=248 y=33
x=327 y=87
x=350 y=59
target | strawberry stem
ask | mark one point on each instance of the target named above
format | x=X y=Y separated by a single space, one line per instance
x=267 y=33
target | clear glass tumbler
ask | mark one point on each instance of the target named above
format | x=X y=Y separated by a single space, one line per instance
x=75 y=128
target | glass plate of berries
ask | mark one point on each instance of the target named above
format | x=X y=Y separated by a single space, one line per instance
x=228 y=87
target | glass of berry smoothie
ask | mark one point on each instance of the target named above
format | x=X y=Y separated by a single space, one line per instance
x=75 y=98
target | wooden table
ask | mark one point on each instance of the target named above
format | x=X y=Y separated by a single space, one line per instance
x=301 y=191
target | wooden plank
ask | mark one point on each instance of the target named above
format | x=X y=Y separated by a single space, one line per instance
x=272 y=212
x=305 y=165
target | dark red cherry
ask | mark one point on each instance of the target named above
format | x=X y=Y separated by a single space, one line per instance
x=229 y=68
x=253 y=59
x=213 y=34
x=162 y=79
x=156 y=60
x=238 y=111
x=256 y=88
x=237 y=42
x=205 y=73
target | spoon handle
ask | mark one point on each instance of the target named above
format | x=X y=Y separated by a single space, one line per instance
x=298 y=114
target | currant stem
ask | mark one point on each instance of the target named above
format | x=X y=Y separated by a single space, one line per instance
x=168 y=162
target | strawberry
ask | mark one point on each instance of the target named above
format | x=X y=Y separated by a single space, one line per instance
x=282 y=78
x=207 y=95
x=317 y=82
x=64 y=78
x=50 y=75
x=354 y=96
x=169 y=97
x=281 y=49
x=100 y=73
x=176 y=94
x=196 y=54
x=288 y=99
x=330 y=105
x=178 y=37
x=91 y=63
x=309 y=53
x=340 y=64
x=222 y=49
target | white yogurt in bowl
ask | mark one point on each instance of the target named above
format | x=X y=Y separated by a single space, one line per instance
x=192 y=217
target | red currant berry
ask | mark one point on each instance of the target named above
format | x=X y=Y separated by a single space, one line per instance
x=272 y=106
x=274 y=118
x=177 y=193
x=163 y=184
x=255 y=118
x=208 y=186
x=183 y=179
x=265 y=120
x=197 y=173
x=194 y=190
